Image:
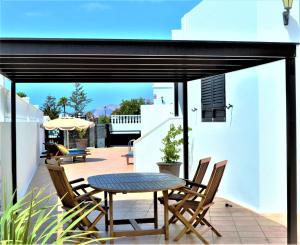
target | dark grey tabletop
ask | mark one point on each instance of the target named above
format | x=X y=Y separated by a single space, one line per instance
x=135 y=182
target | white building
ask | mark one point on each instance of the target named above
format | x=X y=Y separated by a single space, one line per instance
x=253 y=138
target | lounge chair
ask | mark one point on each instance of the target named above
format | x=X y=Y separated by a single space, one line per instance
x=198 y=209
x=60 y=151
x=70 y=200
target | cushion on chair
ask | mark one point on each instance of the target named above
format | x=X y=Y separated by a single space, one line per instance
x=129 y=154
x=62 y=149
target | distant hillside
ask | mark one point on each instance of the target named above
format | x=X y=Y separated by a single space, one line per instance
x=100 y=111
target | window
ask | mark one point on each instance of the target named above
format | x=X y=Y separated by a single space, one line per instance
x=213 y=101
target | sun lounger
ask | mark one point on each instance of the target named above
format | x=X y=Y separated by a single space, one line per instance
x=60 y=151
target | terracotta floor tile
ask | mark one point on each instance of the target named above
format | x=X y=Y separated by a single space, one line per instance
x=277 y=240
x=254 y=240
x=248 y=228
x=227 y=240
x=250 y=234
x=245 y=222
x=273 y=228
x=275 y=234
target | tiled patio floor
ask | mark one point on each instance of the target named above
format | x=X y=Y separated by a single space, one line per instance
x=236 y=224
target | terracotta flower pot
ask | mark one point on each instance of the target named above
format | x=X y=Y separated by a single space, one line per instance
x=169 y=168
x=81 y=143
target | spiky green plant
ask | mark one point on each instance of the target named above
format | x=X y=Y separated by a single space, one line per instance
x=81 y=133
x=34 y=220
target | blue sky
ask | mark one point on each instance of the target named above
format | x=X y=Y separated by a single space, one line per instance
x=121 y=19
x=102 y=93
x=144 y=19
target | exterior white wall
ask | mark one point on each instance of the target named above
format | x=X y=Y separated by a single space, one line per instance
x=150 y=119
x=147 y=148
x=163 y=93
x=29 y=144
x=255 y=141
x=5 y=142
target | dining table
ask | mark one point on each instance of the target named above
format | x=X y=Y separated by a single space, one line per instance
x=112 y=184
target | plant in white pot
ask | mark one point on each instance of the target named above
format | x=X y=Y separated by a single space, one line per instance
x=172 y=142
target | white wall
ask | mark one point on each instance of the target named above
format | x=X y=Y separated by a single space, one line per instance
x=150 y=119
x=5 y=142
x=29 y=144
x=147 y=148
x=163 y=93
x=233 y=140
x=255 y=142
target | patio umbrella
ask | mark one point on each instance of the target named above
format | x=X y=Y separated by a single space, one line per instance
x=68 y=123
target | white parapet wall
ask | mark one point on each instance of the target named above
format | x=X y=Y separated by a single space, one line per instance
x=30 y=137
x=153 y=115
x=147 y=148
x=125 y=123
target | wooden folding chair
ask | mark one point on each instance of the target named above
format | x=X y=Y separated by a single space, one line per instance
x=79 y=186
x=198 y=209
x=195 y=185
x=71 y=200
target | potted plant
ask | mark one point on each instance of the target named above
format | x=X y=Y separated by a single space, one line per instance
x=81 y=142
x=172 y=142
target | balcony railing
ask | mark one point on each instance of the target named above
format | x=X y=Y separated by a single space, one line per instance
x=125 y=123
x=125 y=119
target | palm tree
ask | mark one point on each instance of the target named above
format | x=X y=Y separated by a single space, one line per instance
x=63 y=102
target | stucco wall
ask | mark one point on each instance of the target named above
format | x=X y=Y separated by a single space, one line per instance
x=29 y=143
x=255 y=141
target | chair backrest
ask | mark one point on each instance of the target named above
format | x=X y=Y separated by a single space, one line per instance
x=200 y=172
x=51 y=149
x=62 y=185
x=53 y=161
x=214 y=182
x=130 y=144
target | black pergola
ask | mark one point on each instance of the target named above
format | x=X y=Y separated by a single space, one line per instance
x=88 y=60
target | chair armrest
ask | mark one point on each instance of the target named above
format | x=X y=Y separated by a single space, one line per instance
x=80 y=187
x=87 y=196
x=188 y=191
x=76 y=181
x=191 y=183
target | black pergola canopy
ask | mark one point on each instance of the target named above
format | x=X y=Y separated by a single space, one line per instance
x=90 y=60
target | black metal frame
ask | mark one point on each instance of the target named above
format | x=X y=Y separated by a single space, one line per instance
x=171 y=61
x=13 y=139
x=291 y=139
x=185 y=130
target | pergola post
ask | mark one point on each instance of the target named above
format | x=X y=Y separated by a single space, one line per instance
x=13 y=140
x=291 y=134
x=176 y=101
x=185 y=130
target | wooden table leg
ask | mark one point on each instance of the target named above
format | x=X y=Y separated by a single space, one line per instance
x=155 y=210
x=106 y=209
x=166 y=214
x=111 y=217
